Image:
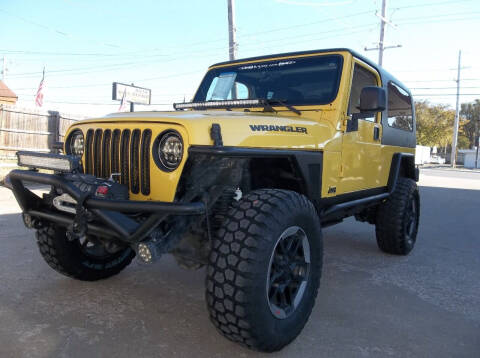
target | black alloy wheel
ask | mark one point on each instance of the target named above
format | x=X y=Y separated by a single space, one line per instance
x=288 y=272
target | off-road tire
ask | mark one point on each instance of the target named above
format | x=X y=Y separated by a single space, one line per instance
x=393 y=217
x=67 y=258
x=239 y=263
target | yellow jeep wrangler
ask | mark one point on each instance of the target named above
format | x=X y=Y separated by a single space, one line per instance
x=240 y=180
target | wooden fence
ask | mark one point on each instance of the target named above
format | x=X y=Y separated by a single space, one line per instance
x=31 y=129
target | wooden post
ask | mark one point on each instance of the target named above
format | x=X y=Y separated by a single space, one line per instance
x=54 y=129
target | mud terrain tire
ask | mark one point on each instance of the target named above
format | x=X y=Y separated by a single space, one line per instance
x=244 y=277
x=397 y=219
x=68 y=258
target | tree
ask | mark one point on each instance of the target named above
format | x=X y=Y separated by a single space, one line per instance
x=434 y=124
x=471 y=115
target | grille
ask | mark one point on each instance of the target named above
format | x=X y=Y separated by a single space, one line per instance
x=125 y=152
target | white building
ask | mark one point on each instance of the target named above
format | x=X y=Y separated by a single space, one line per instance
x=469 y=159
x=422 y=154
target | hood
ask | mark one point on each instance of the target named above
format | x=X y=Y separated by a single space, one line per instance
x=246 y=129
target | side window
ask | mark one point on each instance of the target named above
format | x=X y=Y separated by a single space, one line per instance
x=361 y=78
x=399 y=108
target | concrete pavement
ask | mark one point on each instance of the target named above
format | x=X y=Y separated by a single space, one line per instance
x=370 y=304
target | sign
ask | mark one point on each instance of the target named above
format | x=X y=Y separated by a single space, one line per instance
x=130 y=93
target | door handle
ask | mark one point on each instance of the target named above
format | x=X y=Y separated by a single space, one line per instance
x=376 y=133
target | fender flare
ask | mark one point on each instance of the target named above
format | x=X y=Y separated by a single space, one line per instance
x=402 y=163
x=308 y=164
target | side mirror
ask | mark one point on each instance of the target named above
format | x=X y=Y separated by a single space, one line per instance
x=373 y=99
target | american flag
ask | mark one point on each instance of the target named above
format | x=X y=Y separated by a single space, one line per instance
x=39 y=95
x=123 y=103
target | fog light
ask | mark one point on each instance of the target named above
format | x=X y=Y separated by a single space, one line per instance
x=144 y=253
x=57 y=162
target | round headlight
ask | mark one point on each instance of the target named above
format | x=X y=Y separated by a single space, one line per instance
x=169 y=150
x=75 y=144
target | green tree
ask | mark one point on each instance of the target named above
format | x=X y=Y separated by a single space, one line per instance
x=470 y=113
x=434 y=124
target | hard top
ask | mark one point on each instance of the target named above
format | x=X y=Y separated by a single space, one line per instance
x=385 y=75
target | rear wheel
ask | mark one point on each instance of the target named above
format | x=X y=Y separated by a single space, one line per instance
x=85 y=259
x=397 y=219
x=264 y=269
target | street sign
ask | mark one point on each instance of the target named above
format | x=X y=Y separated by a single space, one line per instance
x=132 y=94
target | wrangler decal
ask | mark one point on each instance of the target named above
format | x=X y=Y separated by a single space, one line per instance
x=274 y=128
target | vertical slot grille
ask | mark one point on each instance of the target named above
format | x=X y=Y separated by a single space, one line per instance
x=115 y=151
x=89 y=152
x=106 y=163
x=97 y=157
x=124 y=146
x=134 y=161
x=145 y=162
x=120 y=151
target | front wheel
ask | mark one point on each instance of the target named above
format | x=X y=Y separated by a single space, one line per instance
x=264 y=269
x=86 y=259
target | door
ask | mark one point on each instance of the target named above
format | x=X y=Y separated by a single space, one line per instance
x=361 y=159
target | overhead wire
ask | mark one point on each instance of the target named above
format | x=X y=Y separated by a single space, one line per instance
x=106 y=67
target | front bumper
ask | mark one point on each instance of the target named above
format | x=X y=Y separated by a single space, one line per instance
x=110 y=219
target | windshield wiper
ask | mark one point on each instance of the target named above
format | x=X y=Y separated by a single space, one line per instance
x=268 y=105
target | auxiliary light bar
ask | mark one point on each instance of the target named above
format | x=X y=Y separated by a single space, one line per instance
x=57 y=162
x=238 y=103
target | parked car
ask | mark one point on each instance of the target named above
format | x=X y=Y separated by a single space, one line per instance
x=436 y=159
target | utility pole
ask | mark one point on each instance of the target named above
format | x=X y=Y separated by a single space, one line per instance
x=453 y=156
x=132 y=107
x=381 y=46
x=232 y=45
x=477 y=140
x=381 y=43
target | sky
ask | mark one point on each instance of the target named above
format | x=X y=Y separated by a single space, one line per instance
x=168 y=45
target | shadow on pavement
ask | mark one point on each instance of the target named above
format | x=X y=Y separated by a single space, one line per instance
x=370 y=304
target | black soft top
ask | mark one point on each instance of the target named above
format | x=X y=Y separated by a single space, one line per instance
x=385 y=75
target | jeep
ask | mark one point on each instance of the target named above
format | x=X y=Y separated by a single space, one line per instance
x=240 y=180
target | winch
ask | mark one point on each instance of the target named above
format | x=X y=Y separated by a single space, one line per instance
x=92 y=186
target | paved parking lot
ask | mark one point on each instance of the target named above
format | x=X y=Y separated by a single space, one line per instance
x=370 y=304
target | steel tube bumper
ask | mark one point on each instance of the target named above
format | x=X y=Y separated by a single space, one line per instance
x=110 y=212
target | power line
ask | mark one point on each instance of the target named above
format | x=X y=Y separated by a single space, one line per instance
x=445 y=94
x=436 y=16
x=102 y=104
x=133 y=64
x=59 y=32
x=436 y=80
x=422 y=22
x=114 y=67
x=108 y=84
x=439 y=88
x=433 y=4
x=135 y=53
x=14 y=52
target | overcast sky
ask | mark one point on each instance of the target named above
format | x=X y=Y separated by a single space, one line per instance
x=168 y=45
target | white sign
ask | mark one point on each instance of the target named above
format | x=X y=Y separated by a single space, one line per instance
x=131 y=93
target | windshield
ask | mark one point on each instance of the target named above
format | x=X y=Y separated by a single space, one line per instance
x=297 y=81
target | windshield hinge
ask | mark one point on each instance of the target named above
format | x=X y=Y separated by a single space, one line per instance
x=216 y=135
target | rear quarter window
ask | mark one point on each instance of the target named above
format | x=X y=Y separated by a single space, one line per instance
x=400 y=113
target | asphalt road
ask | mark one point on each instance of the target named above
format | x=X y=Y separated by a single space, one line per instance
x=370 y=304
